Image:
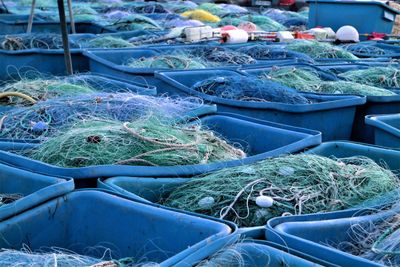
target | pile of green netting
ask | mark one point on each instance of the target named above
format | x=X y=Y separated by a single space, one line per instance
x=133 y=22
x=147 y=141
x=387 y=77
x=309 y=80
x=17 y=42
x=288 y=185
x=319 y=50
x=172 y=61
x=264 y=22
x=105 y=42
x=32 y=90
x=8 y=198
x=63 y=258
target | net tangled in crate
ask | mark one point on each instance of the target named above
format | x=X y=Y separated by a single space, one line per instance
x=173 y=61
x=32 y=41
x=45 y=118
x=147 y=141
x=364 y=49
x=309 y=80
x=243 y=88
x=318 y=50
x=134 y=22
x=8 y=198
x=376 y=239
x=264 y=52
x=295 y=184
x=387 y=77
x=105 y=42
x=63 y=258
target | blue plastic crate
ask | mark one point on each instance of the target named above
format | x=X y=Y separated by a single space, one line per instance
x=13 y=24
x=311 y=233
x=333 y=115
x=15 y=63
x=127 y=228
x=255 y=251
x=250 y=135
x=33 y=188
x=386 y=129
x=380 y=16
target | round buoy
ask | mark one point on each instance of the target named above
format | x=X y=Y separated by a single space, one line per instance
x=264 y=201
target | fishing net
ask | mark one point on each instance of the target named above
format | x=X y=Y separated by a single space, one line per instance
x=46 y=118
x=387 y=77
x=116 y=14
x=309 y=80
x=320 y=50
x=147 y=141
x=182 y=23
x=32 y=41
x=214 y=9
x=8 y=198
x=288 y=185
x=105 y=42
x=264 y=52
x=149 y=8
x=84 y=13
x=64 y=258
x=233 y=9
x=264 y=23
x=201 y=15
x=243 y=88
x=173 y=61
x=376 y=240
x=29 y=91
x=216 y=56
x=364 y=49
x=230 y=21
x=134 y=22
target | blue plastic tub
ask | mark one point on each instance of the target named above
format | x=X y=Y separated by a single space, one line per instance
x=127 y=228
x=250 y=135
x=380 y=16
x=311 y=233
x=33 y=188
x=254 y=250
x=386 y=129
x=15 y=63
x=333 y=115
x=13 y=24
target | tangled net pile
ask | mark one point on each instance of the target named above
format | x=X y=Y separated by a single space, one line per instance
x=62 y=257
x=243 y=88
x=8 y=198
x=365 y=50
x=387 y=77
x=134 y=22
x=32 y=41
x=32 y=90
x=264 y=52
x=173 y=61
x=376 y=240
x=45 y=118
x=264 y=23
x=216 y=56
x=147 y=141
x=298 y=184
x=106 y=42
x=318 y=50
x=309 y=80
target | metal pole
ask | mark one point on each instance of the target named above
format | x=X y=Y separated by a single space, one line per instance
x=71 y=16
x=64 y=32
x=31 y=15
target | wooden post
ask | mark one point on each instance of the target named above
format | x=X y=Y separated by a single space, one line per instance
x=71 y=16
x=64 y=32
x=31 y=15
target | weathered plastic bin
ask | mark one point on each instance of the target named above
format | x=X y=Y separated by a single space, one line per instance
x=34 y=189
x=13 y=24
x=380 y=16
x=254 y=251
x=249 y=134
x=127 y=228
x=312 y=233
x=333 y=115
x=386 y=129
